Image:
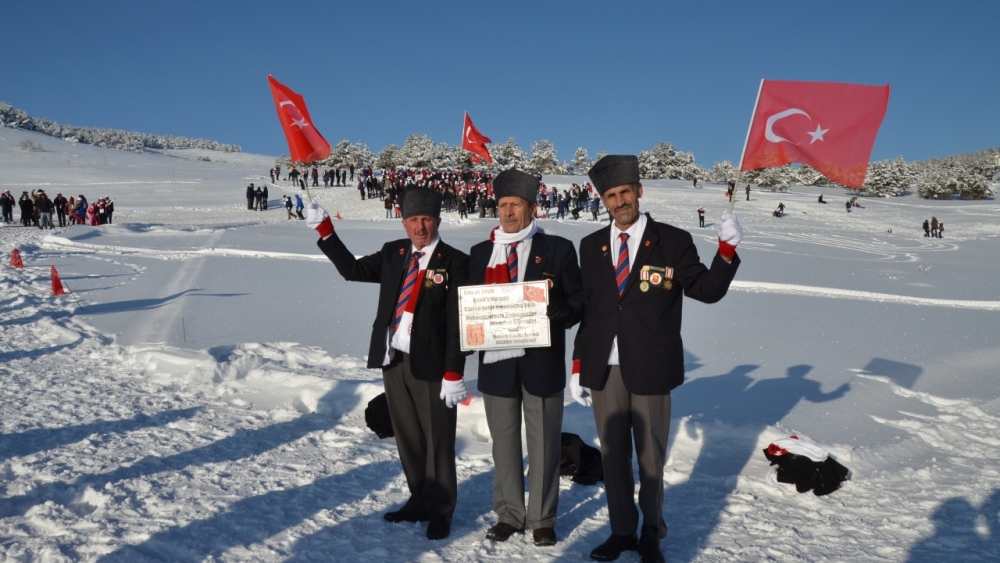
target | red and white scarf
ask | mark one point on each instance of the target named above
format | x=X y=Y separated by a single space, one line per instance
x=496 y=272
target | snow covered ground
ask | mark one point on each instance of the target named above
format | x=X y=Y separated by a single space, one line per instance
x=204 y=402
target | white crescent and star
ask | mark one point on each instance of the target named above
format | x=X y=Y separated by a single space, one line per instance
x=298 y=119
x=770 y=135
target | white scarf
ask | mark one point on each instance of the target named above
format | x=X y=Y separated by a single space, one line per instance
x=496 y=272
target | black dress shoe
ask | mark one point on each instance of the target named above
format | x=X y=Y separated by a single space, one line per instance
x=649 y=545
x=404 y=515
x=439 y=528
x=502 y=532
x=544 y=536
x=614 y=546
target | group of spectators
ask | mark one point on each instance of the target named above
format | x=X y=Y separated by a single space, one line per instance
x=37 y=210
x=331 y=176
x=934 y=228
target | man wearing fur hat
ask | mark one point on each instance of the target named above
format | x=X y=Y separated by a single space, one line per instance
x=415 y=341
x=628 y=353
x=526 y=381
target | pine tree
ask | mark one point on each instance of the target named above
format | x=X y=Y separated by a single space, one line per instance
x=543 y=158
x=508 y=155
x=581 y=162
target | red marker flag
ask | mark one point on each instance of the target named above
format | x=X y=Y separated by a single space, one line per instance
x=305 y=144
x=57 y=286
x=827 y=125
x=474 y=141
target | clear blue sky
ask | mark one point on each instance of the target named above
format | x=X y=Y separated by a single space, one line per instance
x=609 y=76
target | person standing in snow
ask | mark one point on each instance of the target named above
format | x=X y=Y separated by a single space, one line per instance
x=27 y=209
x=250 y=197
x=927 y=228
x=701 y=217
x=628 y=354
x=298 y=206
x=934 y=227
x=258 y=198
x=415 y=340
x=60 y=204
x=263 y=196
x=288 y=205
x=520 y=382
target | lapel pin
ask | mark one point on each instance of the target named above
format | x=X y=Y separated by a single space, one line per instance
x=402 y=251
x=604 y=248
x=438 y=254
x=538 y=259
x=647 y=243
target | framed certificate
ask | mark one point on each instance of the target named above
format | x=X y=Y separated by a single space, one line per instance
x=508 y=315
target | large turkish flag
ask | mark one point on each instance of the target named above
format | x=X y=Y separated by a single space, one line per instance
x=474 y=141
x=305 y=144
x=827 y=125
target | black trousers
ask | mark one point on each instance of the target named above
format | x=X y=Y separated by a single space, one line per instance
x=425 y=437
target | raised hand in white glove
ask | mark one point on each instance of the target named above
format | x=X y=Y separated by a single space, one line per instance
x=453 y=392
x=317 y=218
x=580 y=394
x=730 y=235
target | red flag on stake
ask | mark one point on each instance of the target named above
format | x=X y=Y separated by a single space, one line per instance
x=827 y=125
x=474 y=141
x=305 y=144
x=57 y=286
x=15 y=259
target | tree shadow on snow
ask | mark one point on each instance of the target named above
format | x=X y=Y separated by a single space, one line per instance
x=256 y=519
x=747 y=407
x=41 y=439
x=242 y=444
x=955 y=535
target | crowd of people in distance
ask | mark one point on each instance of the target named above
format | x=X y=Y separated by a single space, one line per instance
x=37 y=210
x=462 y=191
x=934 y=228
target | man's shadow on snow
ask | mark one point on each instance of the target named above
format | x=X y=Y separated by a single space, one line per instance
x=693 y=509
x=255 y=519
x=955 y=537
x=40 y=439
x=242 y=444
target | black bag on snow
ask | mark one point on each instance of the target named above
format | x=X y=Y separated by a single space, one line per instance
x=377 y=417
x=580 y=461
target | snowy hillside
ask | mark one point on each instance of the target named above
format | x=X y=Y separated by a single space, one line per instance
x=204 y=401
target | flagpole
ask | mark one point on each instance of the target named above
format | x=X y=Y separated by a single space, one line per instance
x=739 y=169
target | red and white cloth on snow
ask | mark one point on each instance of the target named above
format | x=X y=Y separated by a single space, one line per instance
x=799 y=466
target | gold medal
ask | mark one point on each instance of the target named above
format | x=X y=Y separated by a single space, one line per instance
x=428 y=283
x=668 y=285
x=644 y=286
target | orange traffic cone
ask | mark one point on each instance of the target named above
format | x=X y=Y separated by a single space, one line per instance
x=338 y=215
x=57 y=286
x=15 y=259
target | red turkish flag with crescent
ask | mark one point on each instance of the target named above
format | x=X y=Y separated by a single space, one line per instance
x=305 y=144
x=828 y=125
x=474 y=141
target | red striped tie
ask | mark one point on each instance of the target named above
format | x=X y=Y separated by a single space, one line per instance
x=512 y=263
x=408 y=283
x=621 y=272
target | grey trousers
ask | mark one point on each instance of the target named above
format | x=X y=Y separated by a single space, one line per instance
x=425 y=437
x=543 y=429
x=620 y=416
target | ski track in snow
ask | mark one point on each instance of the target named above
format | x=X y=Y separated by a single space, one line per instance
x=258 y=451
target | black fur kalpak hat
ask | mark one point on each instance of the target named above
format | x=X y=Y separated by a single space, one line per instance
x=515 y=183
x=419 y=201
x=614 y=170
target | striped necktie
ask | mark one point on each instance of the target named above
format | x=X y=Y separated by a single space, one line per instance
x=621 y=272
x=512 y=263
x=408 y=283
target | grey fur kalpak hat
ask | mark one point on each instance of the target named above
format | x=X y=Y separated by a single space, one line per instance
x=514 y=183
x=419 y=201
x=614 y=170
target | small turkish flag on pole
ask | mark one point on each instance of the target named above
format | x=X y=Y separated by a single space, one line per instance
x=828 y=125
x=305 y=144
x=57 y=286
x=474 y=141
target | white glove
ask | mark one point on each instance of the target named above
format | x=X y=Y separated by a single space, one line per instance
x=580 y=394
x=315 y=214
x=453 y=392
x=730 y=231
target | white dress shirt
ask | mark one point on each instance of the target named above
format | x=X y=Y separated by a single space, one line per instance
x=634 y=238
